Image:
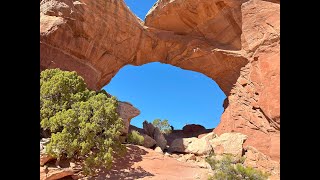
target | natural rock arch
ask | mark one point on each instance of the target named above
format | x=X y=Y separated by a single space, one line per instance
x=234 y=42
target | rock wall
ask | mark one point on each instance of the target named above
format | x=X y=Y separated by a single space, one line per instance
x=234 y=42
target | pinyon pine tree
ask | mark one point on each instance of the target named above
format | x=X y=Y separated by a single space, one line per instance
x=84 y=124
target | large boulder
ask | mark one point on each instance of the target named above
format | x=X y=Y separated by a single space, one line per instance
x=191 y=145
x=148 y=141
x=155 y=133
x=228 y=143
x=127 y=111
x=148 y=128
x=160 y=139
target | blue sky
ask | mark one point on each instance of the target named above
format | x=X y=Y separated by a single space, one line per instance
x=167 y=92
x=140 y=7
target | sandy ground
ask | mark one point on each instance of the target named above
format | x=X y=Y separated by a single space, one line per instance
x=143 y=163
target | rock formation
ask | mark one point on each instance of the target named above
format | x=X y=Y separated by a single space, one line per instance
x=234 y=42
x=127 y=111
x=55 y=173
x=228 y=143
x=191 y=145
x=258 y=160
x=193 y=128
x=148 y=142
x=155 y=133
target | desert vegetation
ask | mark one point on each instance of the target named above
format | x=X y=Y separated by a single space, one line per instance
x=134 y=137
x=84 y=124
x=163 y=125
x=229 y=168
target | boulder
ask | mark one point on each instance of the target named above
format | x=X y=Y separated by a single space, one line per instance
x=228 y=143
x=191 y=145
x=160 y=139
x=155 y=133
x=148 y=141
x=148 y=128
x=193 y=128
x=127 y=111
x=44 y=158
x=55 y=173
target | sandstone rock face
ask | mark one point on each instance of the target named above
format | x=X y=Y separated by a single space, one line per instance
x=148 y=141
x=228 y=143
x=190 y=145
x=234 y=42
x=127 y=111
x=256 y=159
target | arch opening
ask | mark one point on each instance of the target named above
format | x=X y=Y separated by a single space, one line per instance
x=163 y=91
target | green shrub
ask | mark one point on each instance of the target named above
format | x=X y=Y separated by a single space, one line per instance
x=134 y=137
x=228 y=169
x=250 y=173
x=163 y=126
x=84 y=124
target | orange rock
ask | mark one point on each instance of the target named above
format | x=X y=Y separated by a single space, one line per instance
x=236 y=43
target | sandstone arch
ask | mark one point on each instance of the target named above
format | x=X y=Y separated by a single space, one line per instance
x=234 y=42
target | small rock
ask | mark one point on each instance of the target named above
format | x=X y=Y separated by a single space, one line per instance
x=158 y=149
x=187 y=157
x=44 y=158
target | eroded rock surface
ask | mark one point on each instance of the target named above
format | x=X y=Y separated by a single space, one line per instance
x=191 y=145
x=127 y=111
x=234 y=42
x=228 y=143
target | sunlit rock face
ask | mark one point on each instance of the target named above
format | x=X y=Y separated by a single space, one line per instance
x=234 y=42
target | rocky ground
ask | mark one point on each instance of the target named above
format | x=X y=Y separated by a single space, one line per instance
x=182 y=158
